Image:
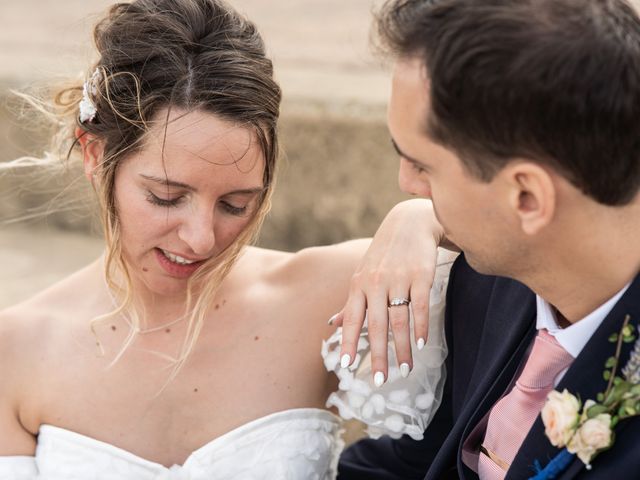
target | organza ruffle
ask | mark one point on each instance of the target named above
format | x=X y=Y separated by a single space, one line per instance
x=401 y=405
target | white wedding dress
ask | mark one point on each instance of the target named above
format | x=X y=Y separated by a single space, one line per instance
x=298 y=444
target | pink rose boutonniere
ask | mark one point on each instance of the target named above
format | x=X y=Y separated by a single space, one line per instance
x=584 y=430
x=560 y=415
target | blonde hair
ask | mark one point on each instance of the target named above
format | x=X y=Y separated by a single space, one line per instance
x=163 y=54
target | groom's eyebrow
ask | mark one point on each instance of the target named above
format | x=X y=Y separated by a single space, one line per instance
x=405 y=156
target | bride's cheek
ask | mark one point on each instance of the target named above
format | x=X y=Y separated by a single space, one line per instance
x=229 y=231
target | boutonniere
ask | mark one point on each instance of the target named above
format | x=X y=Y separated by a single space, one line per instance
x=587 y=429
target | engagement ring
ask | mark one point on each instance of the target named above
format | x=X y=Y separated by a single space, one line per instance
x=398 y=302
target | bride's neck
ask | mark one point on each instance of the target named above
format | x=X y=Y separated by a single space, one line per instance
x=157 y=310
x=154 y=310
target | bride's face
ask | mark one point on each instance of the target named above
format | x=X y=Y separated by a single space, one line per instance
x=185 y=197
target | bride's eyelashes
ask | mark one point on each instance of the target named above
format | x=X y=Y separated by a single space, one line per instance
x=228 y=207
x=163 y=202
x=233 y=210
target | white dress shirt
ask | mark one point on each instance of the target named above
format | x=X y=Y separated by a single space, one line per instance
x=574 y=337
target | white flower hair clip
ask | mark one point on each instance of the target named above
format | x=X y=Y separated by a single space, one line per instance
x=89 y=89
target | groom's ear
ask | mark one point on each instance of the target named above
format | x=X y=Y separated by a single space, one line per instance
x=532 y=195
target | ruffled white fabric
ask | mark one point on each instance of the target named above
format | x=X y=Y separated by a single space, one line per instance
x=401 y=405
x=291 y=445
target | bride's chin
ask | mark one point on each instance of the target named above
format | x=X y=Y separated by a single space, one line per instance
x=170 y=287
x=160 y=285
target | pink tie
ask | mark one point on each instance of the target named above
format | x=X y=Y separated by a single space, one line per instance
x=513 y=415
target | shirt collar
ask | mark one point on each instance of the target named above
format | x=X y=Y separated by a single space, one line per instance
x=574 y=337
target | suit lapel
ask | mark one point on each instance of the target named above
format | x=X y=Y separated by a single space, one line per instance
x=508 y=331
x=510 y=320
x=583 y=379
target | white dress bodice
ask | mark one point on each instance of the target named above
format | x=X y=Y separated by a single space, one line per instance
x=293 y=444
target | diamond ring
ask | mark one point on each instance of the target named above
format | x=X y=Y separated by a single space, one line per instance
x=398 y=302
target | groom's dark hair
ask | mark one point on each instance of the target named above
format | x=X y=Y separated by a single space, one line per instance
x=554 y=81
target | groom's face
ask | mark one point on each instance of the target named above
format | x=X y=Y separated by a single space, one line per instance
x=470 y=210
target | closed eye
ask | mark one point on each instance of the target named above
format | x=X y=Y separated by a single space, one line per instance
x=233 y=209
x=163 y=202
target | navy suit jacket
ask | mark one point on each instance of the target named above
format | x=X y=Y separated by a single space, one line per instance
x=490 y=324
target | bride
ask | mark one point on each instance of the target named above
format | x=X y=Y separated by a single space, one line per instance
x=183 y=352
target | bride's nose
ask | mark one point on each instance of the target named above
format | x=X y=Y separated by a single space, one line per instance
x=197 y=231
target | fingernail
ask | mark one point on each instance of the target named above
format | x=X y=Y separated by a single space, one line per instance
x=378 y=379
x=404 y=370
x=420 y=343
x=345 y=360
x=332 y=319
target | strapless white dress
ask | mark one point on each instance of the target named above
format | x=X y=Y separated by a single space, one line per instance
x=298 y=444
x=293 y=444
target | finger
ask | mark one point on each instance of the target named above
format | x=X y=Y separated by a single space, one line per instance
x=336 y=320
x=401 y=329
x=378 y=326
x=352 y=319
x=420 y=292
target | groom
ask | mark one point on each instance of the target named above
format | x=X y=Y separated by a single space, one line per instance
x=520 y=119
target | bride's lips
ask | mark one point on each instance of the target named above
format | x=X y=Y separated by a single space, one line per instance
x=174 y=269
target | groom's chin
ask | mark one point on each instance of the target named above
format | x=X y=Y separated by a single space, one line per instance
x=484 y=265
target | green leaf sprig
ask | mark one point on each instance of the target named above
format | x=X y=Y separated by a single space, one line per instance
x=621 y=399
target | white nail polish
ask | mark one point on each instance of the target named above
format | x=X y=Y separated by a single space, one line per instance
x=378 y=379
x=404 y=370
x=332 y=319
x=420 y=343
x=345 y=360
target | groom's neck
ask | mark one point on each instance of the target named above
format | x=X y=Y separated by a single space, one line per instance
x=591 y=260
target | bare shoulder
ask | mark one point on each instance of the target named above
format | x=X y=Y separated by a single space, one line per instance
x=25 y=328
x=313 y=282
x=332 y=263
x=38 y=323
x=20 y=339
x=262 y=261
x=31 y=333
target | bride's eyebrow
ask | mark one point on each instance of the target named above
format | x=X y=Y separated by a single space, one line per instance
x=166 y=182
x=169 y=183
x=247 y=191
